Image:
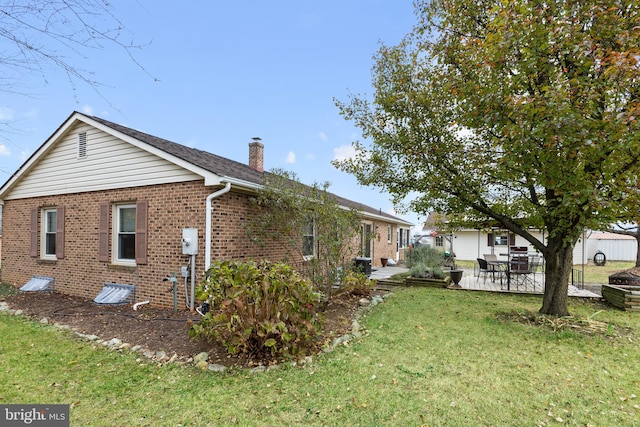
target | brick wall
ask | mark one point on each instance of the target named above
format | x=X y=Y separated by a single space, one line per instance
x=381 y=247
x=170 y=209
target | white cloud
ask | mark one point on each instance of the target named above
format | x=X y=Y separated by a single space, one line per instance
x=88 y=110
x=322 y=136
x=24 y=155
x=344 y=152
x=6 y=114
x=4 y=151
x=291 y=157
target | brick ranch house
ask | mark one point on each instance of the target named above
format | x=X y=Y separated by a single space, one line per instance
x=102 y=203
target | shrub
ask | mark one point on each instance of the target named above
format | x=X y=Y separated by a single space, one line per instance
x=425 y=272
x=426 y=256
x=356 y=282
x=262 y=309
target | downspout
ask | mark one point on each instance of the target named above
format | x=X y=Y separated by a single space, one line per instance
x=209 y=211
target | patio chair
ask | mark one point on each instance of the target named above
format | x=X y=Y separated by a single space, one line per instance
x=495 y=267
x=520 y=271
x=490 y=257
x=534 y=265
x=485 y=268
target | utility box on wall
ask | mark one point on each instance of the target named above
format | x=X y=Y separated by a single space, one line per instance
x=190 y=241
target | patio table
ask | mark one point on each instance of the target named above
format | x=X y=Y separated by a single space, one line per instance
x=508 y=264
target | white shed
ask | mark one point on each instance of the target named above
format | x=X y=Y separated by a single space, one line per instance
x=616 y=247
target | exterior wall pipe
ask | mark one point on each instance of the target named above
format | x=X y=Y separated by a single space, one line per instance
x=138 y=304
x=209 y=211
x=193 y=281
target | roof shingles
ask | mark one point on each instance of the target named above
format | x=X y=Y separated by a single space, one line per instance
x=220 y=165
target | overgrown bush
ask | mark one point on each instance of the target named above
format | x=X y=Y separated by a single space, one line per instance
x=426 y=256
x=262 y=309
x=356 y=283
x=306 y=220
x=425 y=272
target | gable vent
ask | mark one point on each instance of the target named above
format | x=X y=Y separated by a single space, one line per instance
x=82 y=145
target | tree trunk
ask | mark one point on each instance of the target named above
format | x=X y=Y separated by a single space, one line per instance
x=638 y=249
x=559 y=261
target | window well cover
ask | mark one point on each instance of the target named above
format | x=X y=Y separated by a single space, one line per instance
x=115 y=294
x=38 y=284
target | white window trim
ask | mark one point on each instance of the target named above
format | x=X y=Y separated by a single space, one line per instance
x=43 y=233
x=315 y=237
x=402 y=235
x=364 y=242
x=115 y=233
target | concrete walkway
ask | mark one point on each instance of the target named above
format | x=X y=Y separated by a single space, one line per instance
x=534 y=284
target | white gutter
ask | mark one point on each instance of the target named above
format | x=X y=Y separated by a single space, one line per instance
x=209 y=210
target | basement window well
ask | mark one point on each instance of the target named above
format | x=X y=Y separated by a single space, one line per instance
x=38 y=284
x=116 y=294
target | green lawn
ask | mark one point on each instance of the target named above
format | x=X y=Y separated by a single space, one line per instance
x=600 y=274
x=431 y=357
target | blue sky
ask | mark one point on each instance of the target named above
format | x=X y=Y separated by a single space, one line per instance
x=222 y=72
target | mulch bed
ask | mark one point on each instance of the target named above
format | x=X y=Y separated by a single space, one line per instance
x=158 y=329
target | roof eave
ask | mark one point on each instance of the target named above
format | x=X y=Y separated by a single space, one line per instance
x=369 y=215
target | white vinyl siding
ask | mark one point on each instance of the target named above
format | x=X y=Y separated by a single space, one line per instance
x=113 y=163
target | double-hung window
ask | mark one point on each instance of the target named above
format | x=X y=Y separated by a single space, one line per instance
x=49 y=222
x=309 y=239
x=47 y=233
x=125 y=233
x=501 y=239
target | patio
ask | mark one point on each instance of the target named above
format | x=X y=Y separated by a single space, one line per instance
x=533 y=285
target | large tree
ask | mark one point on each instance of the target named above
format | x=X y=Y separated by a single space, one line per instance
x=42 y=36
x=523 y=113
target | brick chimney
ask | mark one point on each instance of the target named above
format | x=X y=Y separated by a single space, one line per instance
x=256 y=155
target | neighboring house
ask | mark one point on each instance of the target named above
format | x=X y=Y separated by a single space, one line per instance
x=469 y=244
x=102 y=203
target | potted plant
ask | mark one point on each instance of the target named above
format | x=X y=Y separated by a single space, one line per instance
x=456 y=277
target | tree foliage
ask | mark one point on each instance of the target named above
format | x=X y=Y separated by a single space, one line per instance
x=310 y=224
x=521 y=113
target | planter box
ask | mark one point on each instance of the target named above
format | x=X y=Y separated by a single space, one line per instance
x=625 y=297
x=389 y=284
x=433 y=283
